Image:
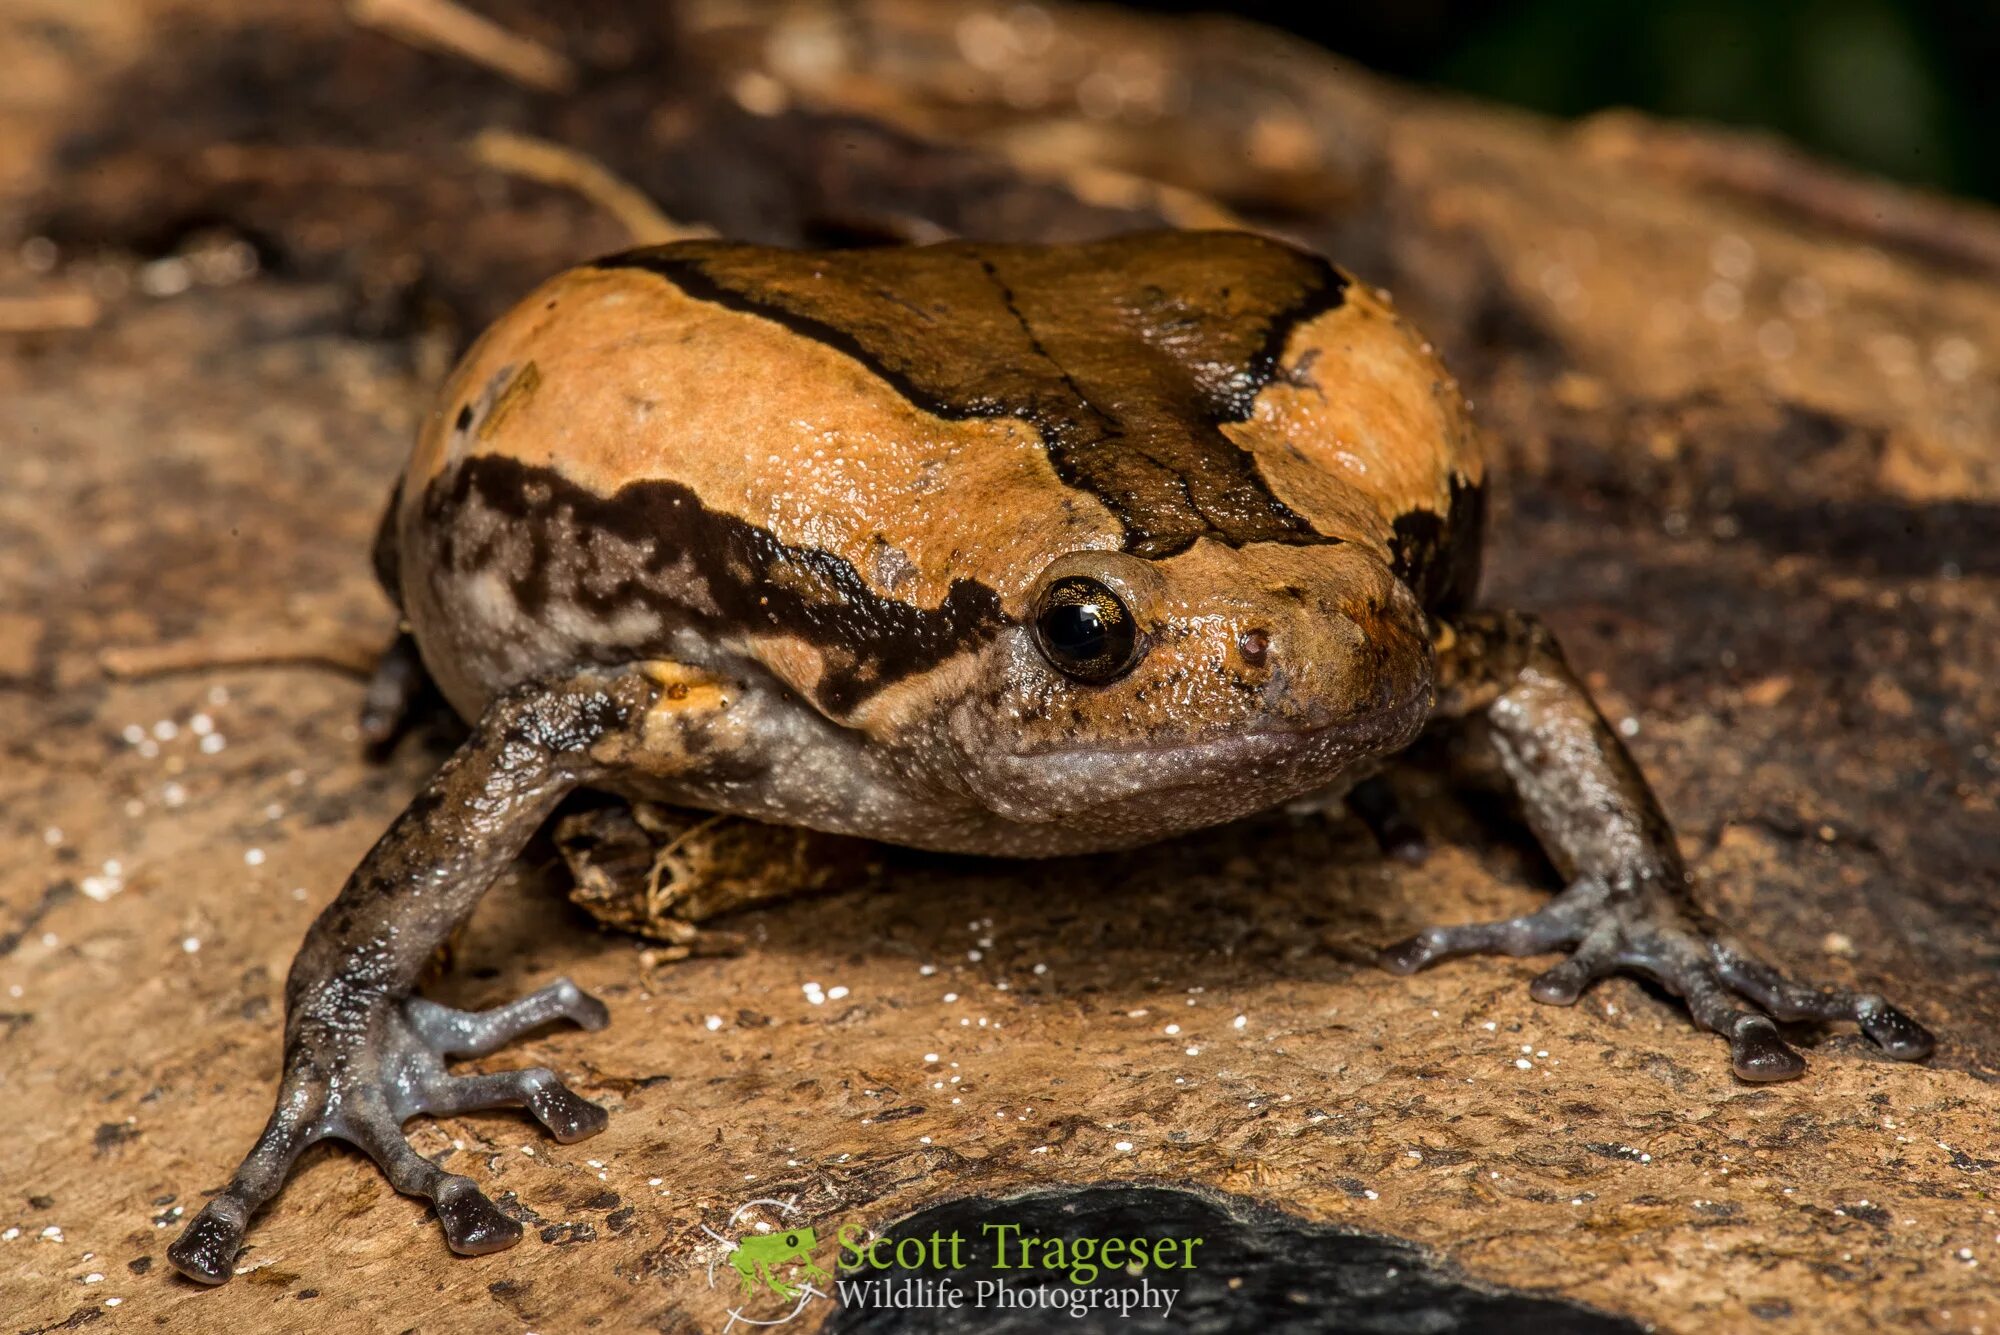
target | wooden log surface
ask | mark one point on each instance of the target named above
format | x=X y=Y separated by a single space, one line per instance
x=1745 y=410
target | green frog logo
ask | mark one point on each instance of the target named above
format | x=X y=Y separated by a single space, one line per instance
x=770 y=1249
x=755 y=1255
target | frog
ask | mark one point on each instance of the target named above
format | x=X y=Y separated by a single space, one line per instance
x=1015 y=550
x=755 y=1257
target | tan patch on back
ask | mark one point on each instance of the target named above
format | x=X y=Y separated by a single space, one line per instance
x=1362 y=424
x=635 y=380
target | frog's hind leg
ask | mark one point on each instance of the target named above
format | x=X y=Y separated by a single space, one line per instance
x=1375 y=804
x=397 y=691
x=1627 y=906
x=399 y=685
x=362 y=1053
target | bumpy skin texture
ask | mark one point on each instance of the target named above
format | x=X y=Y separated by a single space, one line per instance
x=774 y=533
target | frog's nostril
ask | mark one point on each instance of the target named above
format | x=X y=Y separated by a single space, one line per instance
x=1254 y=644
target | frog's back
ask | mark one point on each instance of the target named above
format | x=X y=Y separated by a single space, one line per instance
x=853 y=465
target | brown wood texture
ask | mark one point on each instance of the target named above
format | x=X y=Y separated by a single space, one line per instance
x=1743 y=411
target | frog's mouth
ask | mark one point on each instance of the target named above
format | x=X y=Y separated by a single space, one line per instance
x=1150 y=788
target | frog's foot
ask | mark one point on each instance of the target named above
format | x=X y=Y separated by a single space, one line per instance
x=396 y=692
x=359 y=1069
x=1375 y=804
x=1640 y=928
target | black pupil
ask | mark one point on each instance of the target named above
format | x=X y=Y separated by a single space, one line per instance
x=1076 y=630
x=1085 y=630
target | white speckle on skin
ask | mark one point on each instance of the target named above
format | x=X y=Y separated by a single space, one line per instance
x=201 y=725
x=951 y=996
x=191 y=944
x=253 y=857
x=1524 y=1063
x=166 y=730
x=1173 y=1029
x=1239 y=1021
x=836 y=993
x=713 y=1023
x=1123 y=1147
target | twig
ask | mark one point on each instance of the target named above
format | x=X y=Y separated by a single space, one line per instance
x=555 y=164
x=49 y=311
x=201 y=655
x=446 y=26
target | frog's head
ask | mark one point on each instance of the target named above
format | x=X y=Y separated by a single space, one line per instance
x=1136 y=697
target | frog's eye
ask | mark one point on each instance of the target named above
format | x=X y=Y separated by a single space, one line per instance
x=1085 y=630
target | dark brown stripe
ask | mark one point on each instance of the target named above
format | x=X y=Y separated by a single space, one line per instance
x=551 y=534
x=1126 y=377
x=1438 y=556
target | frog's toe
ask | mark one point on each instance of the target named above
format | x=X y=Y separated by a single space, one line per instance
x=473 y=1225
x=1551 y=927
x=206 y=1249
x=568 y=1117
x=475 y=1033
x=1889 y=1028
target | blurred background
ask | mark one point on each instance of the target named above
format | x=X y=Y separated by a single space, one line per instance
x=1906 y=88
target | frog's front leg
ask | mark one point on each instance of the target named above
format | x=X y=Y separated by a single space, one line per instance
x=1627 y=906
x=362 y=1053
